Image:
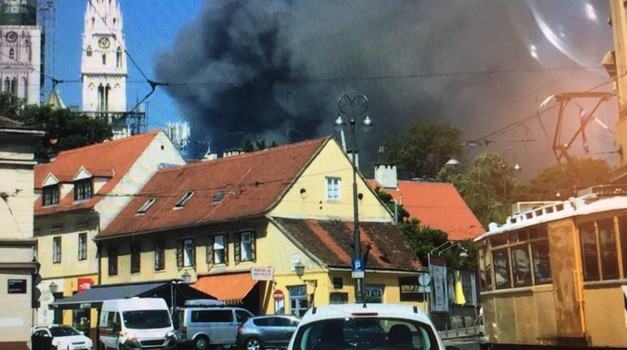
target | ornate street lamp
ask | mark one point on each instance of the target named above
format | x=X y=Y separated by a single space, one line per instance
x=353 y=108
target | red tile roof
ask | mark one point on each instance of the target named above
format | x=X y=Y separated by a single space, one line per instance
x=250 y=185
x=109 y=159
x=230 y=288
x=437 y=205
x=332 y=243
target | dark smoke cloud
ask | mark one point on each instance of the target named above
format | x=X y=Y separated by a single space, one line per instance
x=275 y=69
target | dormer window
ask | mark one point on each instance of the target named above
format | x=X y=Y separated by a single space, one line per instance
x=50 y=195
x=144 y=208
x=183 y=200
x=83 y=189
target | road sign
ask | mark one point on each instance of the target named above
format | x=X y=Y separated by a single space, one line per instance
x=278 y=295
x=357 y=268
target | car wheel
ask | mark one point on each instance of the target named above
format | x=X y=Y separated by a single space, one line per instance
x=253 y=344
x=201 y=343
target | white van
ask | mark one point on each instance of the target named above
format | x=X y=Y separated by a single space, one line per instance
x=135 y=323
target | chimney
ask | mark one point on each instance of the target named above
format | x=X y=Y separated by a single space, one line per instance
x=386 y=176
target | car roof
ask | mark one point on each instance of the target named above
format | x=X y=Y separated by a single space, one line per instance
x=364 y=310
x=291 y=317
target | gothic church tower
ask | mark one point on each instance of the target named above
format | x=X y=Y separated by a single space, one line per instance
x=20 y=49
x=103 y=63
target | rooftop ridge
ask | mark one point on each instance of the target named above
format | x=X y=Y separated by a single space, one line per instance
x=133 y=138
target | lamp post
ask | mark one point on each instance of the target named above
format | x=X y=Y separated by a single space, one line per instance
x=353 y=108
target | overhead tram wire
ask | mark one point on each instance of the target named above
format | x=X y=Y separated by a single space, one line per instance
x=153 y=84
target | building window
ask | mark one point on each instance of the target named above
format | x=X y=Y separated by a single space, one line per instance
x=11 y=53
x=144 y=208
x=118 y=58
x=299 y=303
x=159 y=255
x=83 y=189
x=50 y=195
x=185 y=256
x=245 y=248
x=113 y=261
x=217 y=250
x=56 y=250
x=89 y=51
x=82 y=246
x=181 y=203
x=135 y=257
x=333 y=188
x=373 y=293
x=104 y=59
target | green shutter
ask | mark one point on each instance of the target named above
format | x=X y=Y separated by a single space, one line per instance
x=179 y=254
x=238 y=249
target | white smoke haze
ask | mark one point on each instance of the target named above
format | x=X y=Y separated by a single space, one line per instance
x=274 y=70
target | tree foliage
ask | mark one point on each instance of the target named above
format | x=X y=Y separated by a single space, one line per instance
x=64 y=129
x=488 y=186
x=423 y=150
x=563 y=180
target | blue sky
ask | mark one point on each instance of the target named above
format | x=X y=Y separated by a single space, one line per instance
x=150 y=27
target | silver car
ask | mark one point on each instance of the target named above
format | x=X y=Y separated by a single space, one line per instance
x=262 y=332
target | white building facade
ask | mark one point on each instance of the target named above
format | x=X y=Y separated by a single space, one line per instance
x=103 y=65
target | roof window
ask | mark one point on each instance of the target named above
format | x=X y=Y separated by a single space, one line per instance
x=183 y=200
x=218 y=196
x=144 y=208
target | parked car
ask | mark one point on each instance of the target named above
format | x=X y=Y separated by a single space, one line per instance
x=365 y=327
x=262 y=332
x=206 y=326
x=64 y=337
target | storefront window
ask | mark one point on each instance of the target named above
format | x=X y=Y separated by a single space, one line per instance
x=589 y=252
x=298 y=300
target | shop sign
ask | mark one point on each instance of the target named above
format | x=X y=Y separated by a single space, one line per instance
x=84 y=283
x=373 y=293
x=262 y=273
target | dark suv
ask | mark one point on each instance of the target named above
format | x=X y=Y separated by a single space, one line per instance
x=260 y=332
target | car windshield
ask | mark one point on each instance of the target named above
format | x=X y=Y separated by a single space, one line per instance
x=63 y=331
x=146 y=319
x=365 y=333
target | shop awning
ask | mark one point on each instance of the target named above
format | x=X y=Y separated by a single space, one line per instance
x=93 y=297
x=230 y=288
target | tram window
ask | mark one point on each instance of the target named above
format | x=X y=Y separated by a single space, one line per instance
x=501 y=269
x=513 y=237
x=607 y=243
x=534 y=232
x=541 y=262
x=589 y=252
x=498 y=240
x=485 y=266
x=622 y=228
x=521 y=266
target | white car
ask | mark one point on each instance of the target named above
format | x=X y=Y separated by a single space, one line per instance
x=64 y=337
x=365 y=327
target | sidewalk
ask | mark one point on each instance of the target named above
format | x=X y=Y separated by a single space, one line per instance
x=467 y=332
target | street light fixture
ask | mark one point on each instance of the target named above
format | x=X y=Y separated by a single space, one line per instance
x=353 y=108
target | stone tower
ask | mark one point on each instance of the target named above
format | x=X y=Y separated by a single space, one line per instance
x=103 y=65
x=20 y=49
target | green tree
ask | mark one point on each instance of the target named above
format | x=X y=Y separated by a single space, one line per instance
x=489 y=186
x=423 y=150
x=65 y=129
x=563 y=180
x=10 y=105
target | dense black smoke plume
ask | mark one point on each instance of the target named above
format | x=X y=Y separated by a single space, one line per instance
x=274 y=70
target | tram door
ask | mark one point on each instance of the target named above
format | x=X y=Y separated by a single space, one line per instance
x=567 y=279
